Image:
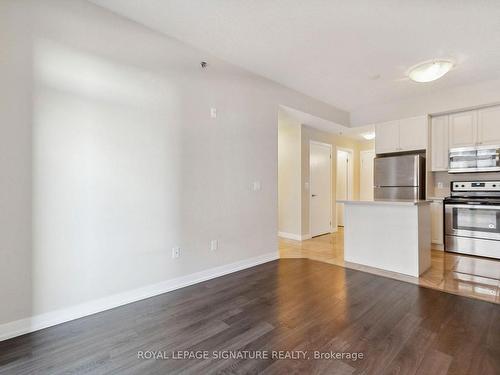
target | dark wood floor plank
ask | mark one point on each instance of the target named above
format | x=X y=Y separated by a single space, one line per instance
x=380 y=353
x=435 y=363
x=412 y=353
x=291 y=304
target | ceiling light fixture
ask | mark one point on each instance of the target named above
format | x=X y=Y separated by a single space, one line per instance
x=429 y=71
x=368 y=136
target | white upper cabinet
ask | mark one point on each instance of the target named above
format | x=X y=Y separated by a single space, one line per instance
x=488 y=126
x=439 y=143
x=401 y=135
x=463 y=129
x=413 y=133
x=387 y=137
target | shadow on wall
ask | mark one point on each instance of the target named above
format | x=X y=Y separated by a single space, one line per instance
x=106 y=176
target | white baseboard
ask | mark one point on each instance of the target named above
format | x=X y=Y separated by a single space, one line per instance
x=292 y=236
x=35 y=323
x=439 y=247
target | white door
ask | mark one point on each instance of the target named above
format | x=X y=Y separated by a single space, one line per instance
x=463 y=129
x=387 y=137
x=488 y=126
x=366 y=175
x=320 y=188
x=343 y=175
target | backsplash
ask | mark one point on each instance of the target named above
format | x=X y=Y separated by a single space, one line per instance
x=442 y=180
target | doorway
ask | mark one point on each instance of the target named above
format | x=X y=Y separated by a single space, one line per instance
x=366 y=175
x=345 y=175
x=320 y=185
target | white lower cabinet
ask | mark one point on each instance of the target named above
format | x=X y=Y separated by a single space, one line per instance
x=437 y=236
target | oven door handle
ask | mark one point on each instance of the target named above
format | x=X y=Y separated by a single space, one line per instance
x=483 y=207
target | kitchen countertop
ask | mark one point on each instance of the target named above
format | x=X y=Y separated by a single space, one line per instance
x=388 y=202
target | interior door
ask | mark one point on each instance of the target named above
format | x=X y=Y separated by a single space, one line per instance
x=320 y=188
x=366 y=175
x=342 y=191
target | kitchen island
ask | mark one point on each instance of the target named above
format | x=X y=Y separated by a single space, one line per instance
x=391 y=235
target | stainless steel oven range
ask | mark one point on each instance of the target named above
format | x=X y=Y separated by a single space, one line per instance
x=472 y=218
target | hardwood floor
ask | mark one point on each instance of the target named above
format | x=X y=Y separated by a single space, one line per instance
x=290 y=304
x=458 y=274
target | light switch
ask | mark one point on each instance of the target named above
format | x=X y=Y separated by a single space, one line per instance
x=213 y=112
x=214 y=245
x=176 y=252
x=256 y=186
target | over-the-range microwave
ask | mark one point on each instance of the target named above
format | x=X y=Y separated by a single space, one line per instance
x=474 y=159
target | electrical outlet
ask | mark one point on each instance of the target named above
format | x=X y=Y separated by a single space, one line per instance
x=213 y=112
x=440 y=185
x=256 y=186
x=176 y=252
x=214 y=245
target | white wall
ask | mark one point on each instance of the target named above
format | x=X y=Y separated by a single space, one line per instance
x=289 y=185
x=109 y=157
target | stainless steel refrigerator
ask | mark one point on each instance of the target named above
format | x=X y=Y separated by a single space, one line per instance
x=399 y=177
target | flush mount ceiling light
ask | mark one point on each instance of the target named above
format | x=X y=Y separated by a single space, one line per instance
x=368 y=136
x=429 y=71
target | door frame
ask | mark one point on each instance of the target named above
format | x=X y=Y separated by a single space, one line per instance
x=311 y=142
x=350 y=181
x=361 y=153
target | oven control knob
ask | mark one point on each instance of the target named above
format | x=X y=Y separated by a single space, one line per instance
x=463 y=185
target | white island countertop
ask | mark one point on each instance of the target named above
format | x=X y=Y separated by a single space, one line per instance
x=390 y=202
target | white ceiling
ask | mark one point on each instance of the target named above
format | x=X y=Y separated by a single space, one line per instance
x=333 y=49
